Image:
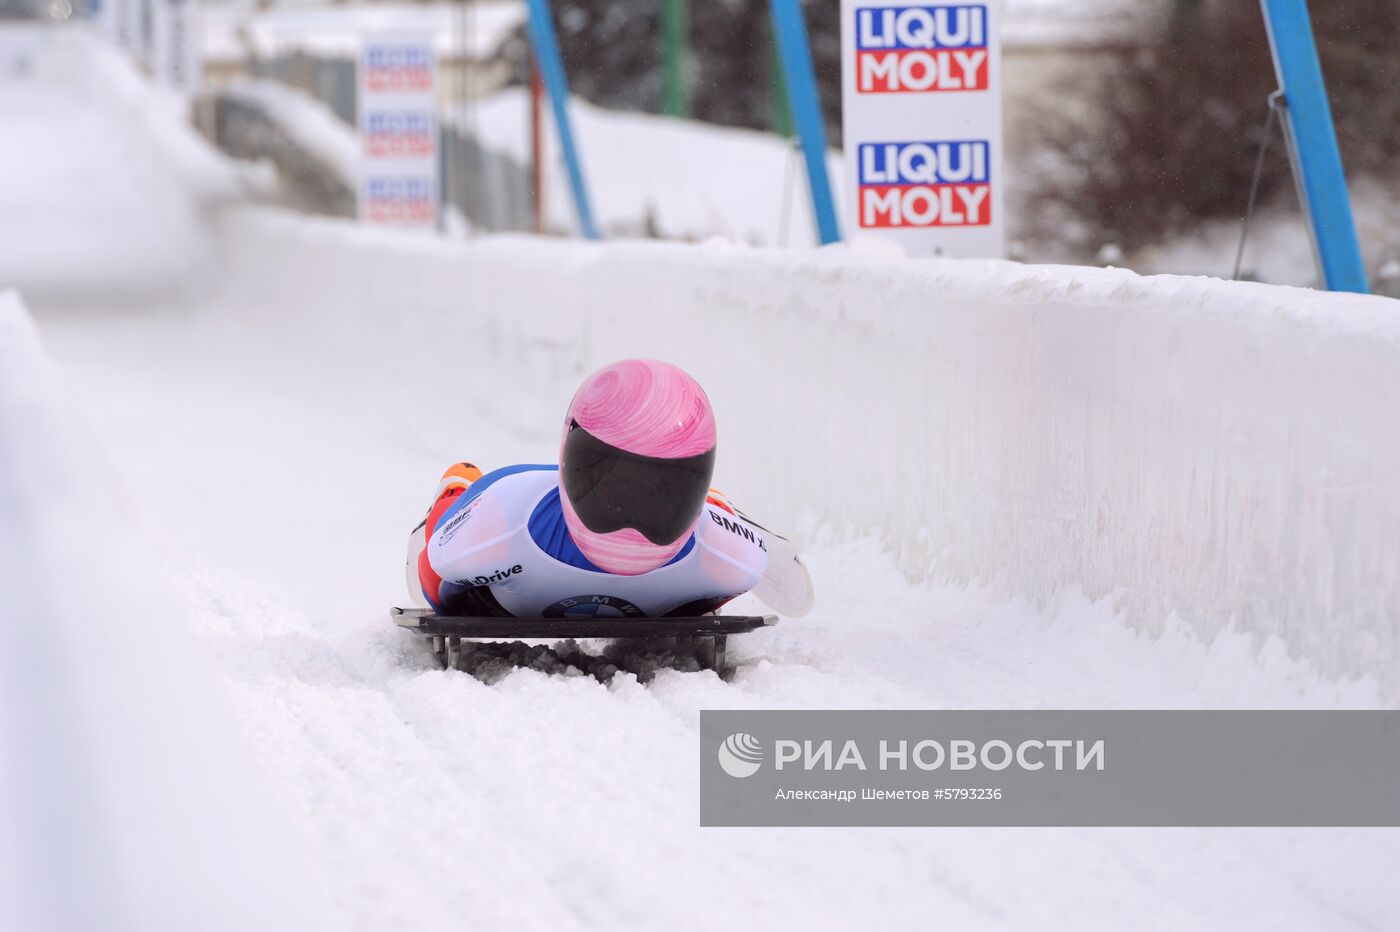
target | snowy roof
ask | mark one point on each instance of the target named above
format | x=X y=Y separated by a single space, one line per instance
x=232 y=29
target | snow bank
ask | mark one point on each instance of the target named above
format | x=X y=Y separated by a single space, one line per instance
x=123 y=800
x=102 y=184
x=659 y=176
x=1223 y=452
x=310 y=123
x=1279 y=250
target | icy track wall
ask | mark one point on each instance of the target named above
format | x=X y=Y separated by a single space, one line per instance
x=112 y=742
x=1227 y=452
x=104 y=189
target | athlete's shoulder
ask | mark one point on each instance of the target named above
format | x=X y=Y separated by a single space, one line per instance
x=719 y=524
x=494 y=502
x=724 y=528
x=524 y=474
x=734 y=553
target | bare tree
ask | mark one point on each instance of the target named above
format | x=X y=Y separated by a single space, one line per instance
x=1173 y=119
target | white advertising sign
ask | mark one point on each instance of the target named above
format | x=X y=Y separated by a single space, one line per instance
x=175 y=52
x=398 y=132
x=921 y=98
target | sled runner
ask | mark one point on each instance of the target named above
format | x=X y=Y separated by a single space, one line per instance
x=706 y=636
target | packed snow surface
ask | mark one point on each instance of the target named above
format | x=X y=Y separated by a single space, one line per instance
x=126 y=797
x=240 y=470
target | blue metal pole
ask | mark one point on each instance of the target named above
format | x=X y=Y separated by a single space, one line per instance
x=791 y=31
x=1318 y=161
x=546 y=47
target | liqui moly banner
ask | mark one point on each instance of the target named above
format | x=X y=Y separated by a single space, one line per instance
x=921 y=48
x=398 y=132
x=922 y=125
x=924 y=185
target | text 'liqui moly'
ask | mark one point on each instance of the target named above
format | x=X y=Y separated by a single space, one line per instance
x=391 y=67
x=400 y=133
x=921 y=48
x=408 y=200
x=924 y=184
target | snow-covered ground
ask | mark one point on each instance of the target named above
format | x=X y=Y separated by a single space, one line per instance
x=314 y=126
x=656 y=176
x=1278 y=250
x=100 y=182
x=248 y=463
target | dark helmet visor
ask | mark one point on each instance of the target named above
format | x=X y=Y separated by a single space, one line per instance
x=611 y=489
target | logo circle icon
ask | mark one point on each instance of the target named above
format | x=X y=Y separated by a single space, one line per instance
x=595 y=606
x=741 y=755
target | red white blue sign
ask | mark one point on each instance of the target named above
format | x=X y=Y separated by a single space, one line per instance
x=924 y=184
x=405 y=133
x=921 y=114
x=396 y=67
x=902 y=49
x=408 y=200
x=398 y=132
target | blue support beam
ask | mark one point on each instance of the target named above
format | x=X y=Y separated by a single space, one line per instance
x=1313 y=139
x=545 y=44
x=796 y=56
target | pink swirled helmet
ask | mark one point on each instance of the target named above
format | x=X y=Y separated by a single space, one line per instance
x=635 y=464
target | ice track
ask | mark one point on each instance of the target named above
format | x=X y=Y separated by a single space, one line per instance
x=278 y=480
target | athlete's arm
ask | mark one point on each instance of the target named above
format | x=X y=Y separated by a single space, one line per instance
x=463 y=540
x=786 y=586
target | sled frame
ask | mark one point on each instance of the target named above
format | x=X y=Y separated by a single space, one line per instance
x=706 y=636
